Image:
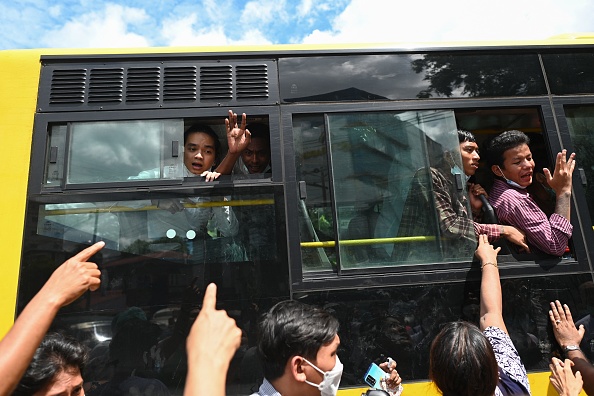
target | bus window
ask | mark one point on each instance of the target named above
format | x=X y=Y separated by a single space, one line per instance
x=316 y=221
x=581 y=124
x=383 y=167
x=119 y=149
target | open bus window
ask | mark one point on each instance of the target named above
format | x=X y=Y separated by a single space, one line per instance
x=114 y=151
x=379 y=162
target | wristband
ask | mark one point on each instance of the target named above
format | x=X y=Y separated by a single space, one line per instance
x=489 y=263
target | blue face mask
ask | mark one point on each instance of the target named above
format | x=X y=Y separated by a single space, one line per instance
x=511 y=182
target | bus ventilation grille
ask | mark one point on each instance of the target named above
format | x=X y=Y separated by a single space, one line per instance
x=68 y=86
x=179 y=83
x=106 y=85
x=216 y=83
x=151 y=85
x=251 y=82
x=142 y=84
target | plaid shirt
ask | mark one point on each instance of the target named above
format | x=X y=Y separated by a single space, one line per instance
x=434 y=208
x=517 y=208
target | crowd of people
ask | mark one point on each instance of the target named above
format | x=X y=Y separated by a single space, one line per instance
x=298 y=343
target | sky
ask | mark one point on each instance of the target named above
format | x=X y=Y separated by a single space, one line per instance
x=157 y=23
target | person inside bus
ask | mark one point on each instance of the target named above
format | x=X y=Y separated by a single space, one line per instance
x=436 y=191
x=202 y=150
x=67 y=283
x=466 y=360
x=249 y=148
x=510 y=160
x=297 y=345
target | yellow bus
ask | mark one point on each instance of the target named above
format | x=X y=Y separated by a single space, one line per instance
x=350 y=127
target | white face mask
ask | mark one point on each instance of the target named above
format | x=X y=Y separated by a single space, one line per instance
x=329 y=385
x=511 y=182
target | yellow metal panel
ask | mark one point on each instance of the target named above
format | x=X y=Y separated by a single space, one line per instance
x=19 y=79
x=539 y=385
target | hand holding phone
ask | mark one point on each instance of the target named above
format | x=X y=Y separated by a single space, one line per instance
x=374 y=375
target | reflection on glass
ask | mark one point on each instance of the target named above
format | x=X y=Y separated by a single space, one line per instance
x=392 y=179
x=569 y=73
x=403 y=321
x=409 y=76
x=153 y=276
x=316 y=221
x=112 y=151
x=188 y=230
x=581 y=128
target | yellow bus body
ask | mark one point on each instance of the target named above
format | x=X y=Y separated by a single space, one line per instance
x=19 y=83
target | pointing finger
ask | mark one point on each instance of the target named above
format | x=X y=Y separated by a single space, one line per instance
x=89 y=252
x=210 y=297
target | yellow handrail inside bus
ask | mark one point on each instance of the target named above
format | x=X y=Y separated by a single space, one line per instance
x=120 y=208
x=373 y=241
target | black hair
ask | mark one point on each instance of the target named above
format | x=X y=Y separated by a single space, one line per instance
x=203 y=128
x=465 y=136
x=55 y=354
x=462 y=361
x=259 y=130
x=503 y=142
x=289 y=329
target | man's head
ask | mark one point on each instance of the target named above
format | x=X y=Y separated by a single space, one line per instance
x=293 y=338
x=55 y=369
x=256 y=156
x=510 y=157
x=202 y=149
x=469 y=152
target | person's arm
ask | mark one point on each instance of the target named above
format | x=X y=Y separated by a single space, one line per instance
x=548 y=235
x=561 y=182
x=567 y=335
x=68 y=282
x=212 y=342
x=238 y=138
x=452 y=224
x=563 y=379
x=491 y=307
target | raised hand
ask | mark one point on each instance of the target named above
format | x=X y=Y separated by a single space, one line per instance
x=238 y=137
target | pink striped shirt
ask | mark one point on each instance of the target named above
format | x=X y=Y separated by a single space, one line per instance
x=515 y=207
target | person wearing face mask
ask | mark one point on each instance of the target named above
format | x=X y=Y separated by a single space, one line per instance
x=510 y=160
x=297 y=345
x=433 y=190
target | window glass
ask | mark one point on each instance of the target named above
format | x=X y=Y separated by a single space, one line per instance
x=160 y=255
x=191 y=229
x=316 y=219
x=581 y=129
x=101 y=152
x=397 y=198
x=383 y=77
x=569 y=73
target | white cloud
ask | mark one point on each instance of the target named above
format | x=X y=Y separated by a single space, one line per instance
x=304 y=8
x=257 y=12
x=184 y=32
x=456 y=20
x=54 y=11
x=107 y=28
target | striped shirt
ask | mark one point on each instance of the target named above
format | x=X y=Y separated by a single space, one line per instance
x=517 y=208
